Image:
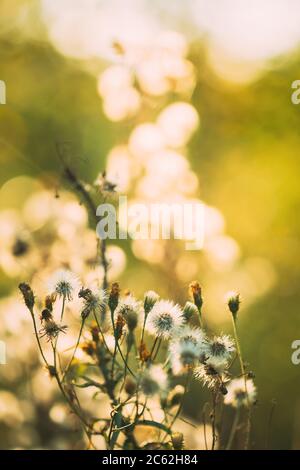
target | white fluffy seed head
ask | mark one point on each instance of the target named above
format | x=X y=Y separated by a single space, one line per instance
x=64 y=283
x=164 y=318
x=210 y=374
x=237 y=395
x=154 y=380
x=131 y=310
x=187 y=345
x=219 y=349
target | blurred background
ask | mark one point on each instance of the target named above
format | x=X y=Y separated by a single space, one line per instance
x=177 y=101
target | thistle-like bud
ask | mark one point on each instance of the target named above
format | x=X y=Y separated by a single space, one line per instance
x=196 y=294
x=49 y=301
x=233 y=302
x=177 y=440
x=95 y=333
x=189 y=310
x=46 y=315
x=113 y=299
x=150 y=298
x=144 y=353
x=27 y=295
x=119 y=326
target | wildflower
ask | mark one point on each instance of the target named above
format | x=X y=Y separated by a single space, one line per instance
x=49 y=301
x=130 y=309
x=186 y=347
x=150 y=298
x=189 y=310
x=185 y=335
x=27 y=295
x=237 y=395
x=119 y=327
x=154 y=380
x=196 y=294
x=177 y=440
x=51 y=330
x=93 y=301
x=233 y=302
x=144 y=353
x=219 y=349
x=164 y=318
x=63 y=283
x=46 y=315
x=210 y=375
x=113 y=299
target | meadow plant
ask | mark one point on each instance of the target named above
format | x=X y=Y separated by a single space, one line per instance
x=140 y=357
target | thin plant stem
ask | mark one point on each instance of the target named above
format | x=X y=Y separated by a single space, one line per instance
x=75 y=350
x=233 y=429
x=214 y=405
x=38 y=338
x=239 y=353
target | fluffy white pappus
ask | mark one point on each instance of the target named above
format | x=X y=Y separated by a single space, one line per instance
x=131 y=310
x=219 y=349
x=154 y=380
x=97 y=300
x=188 y=335
x=210 y=374
x=183 y=356
x=164 y=318
x=237 y=393
x=64 y=283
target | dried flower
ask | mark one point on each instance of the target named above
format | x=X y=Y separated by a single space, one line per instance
x=131 y=310
x=177 y=440
x=113 y=299
x=190 y=310
x=187 y=345
x=237 y=395
x=233 y=302
x=154 y=380
x=210 y=375
x=144 y=353
x=51 y=330
x=219 y=350
x=46 y=315
x=164 y=318
x=196 y=294
x=27 y=295
x=150 y=298
x=63 y=283
x=93 y=301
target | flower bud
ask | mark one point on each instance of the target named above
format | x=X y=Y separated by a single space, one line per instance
x=189 y=310
x=177 y=440
x=150 y=299
x=27 y=295
x=114 y=296
x=233 y=302
x=196 y=294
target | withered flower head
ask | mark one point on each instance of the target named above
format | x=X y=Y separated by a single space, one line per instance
x=51 y=330
x=46 y=315
x=196 y=294
x=49 y=301
x=233 y=302
x=27 y=295
x=114 y=294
